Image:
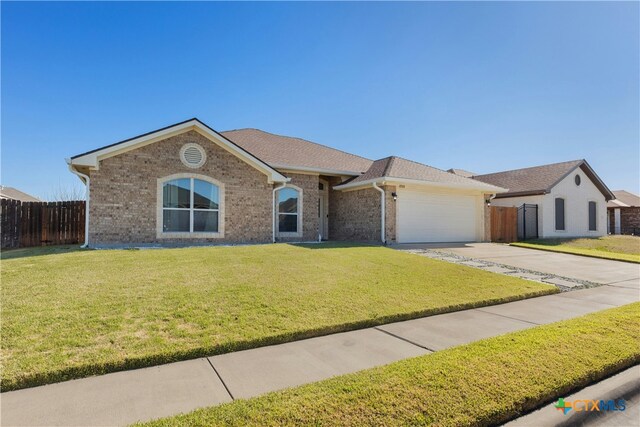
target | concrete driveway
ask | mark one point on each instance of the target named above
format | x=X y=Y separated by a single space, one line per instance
x=606 y=272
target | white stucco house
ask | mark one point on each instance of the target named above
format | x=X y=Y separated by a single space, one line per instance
x=571 y=199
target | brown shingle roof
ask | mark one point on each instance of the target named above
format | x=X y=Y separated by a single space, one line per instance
x=461 y=172
x=15 y=194
x=624 y=199
x=397 y=167
x=279 y=151
x=540 y=179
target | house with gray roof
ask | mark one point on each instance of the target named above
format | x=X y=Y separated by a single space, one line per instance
x=190 y=184
x=570 y=198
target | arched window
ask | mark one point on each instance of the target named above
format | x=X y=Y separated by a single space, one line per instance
x=289 y=206
x=190 y=205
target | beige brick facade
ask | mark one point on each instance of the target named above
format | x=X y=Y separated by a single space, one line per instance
x=355 y=215
x=310 y=221
x=124 y=195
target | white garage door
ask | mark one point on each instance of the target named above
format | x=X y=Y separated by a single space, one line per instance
x=432 y=217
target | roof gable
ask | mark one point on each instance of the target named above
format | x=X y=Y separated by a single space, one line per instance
x=92 y=158
x=541 y=179
x=403 y=170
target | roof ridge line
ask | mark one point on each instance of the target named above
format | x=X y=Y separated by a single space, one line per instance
x=388 y=165
x=300 y=139
x=532 y=167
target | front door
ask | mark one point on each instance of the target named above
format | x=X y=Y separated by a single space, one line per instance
x=323 y=209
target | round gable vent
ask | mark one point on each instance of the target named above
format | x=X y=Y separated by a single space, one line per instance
x=193 y=155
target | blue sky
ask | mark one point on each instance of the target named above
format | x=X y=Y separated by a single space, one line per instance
x=479 y=86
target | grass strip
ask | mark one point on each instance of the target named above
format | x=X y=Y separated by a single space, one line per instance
x=593 y=253
x=484 y=383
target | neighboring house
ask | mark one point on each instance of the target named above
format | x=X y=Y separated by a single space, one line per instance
x=571 y=198
x=624 y=213
x=14 y=194
x=188 y=184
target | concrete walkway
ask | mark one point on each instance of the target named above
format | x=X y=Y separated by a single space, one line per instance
x=595 y=270
x=144 y=394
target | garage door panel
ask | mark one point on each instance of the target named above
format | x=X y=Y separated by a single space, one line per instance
x=429 y=217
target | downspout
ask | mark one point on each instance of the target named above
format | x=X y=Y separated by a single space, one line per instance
x=273 y=211
x=86 y=180
x=382 y=213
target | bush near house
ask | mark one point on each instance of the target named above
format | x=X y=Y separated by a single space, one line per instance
x=81 y=313
x=484 y=383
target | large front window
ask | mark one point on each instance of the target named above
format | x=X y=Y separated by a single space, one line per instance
x=288 y=210
x=190 y=205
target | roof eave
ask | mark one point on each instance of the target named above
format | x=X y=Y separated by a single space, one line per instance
x=336 y=172
x=521 y=194
x=487 y=188
x=92 y=158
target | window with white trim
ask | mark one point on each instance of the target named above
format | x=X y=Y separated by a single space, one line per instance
x=190 y=205
x=288 y=210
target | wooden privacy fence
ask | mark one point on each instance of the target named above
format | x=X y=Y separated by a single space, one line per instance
x=504 y=224
x=25 y=224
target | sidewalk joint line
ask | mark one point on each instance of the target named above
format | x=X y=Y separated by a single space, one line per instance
x=509 y=317
x=220 y=378
x=566 y=295
x=404 y=339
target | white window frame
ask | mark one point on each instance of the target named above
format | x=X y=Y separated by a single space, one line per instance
x=299 y=213
x=161 y=234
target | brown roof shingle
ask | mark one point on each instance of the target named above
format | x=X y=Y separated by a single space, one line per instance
x=15 y=194
x=539 y=179
x=397 y=167
x=625 y=199
x=279 y=151
x=461 y=172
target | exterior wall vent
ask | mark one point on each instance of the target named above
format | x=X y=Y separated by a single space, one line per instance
x=193 y=155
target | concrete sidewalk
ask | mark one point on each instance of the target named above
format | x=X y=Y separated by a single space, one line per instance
x=144 y=394
x=625 y=385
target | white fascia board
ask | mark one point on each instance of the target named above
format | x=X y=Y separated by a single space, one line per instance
x=92 y=160
x=479 y=186
x=322 y=171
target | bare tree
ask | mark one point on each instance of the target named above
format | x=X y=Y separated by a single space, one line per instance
x=67 y=192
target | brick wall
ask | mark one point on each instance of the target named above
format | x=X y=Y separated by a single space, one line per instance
x=355 y=215
x=629 y=219
x=310 y=194
x=124 y=192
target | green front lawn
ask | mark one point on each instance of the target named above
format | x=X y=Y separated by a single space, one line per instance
x=75 y=314
x=484 y=383
x=621 y=248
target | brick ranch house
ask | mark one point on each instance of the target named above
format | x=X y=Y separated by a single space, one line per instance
x=624 y=213
x=189 y=184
